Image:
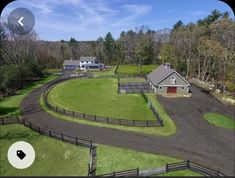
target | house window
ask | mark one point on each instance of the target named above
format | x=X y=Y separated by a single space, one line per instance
x=160 y=87
x=182 y=87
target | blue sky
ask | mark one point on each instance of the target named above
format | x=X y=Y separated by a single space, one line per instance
x=90 y=19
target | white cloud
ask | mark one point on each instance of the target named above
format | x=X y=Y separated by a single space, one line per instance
x=137 y=9
x=198 y=13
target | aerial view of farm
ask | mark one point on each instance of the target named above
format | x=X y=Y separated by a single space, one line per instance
x=117 y=88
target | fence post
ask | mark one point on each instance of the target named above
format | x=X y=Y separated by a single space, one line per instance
x=73 y=113
x=39 y=131
x=23 y=122
x=2 y=122
x=62 y=137
x=17 y=118
x=107 y=119
x=84 y=116
x=147 y=123
x=133 y=122
x=30 y=125
x=56 y=109
x=166 y=167
x=89 y=170
x=95 y=117
x=64 y=111
x=50 y=133
x=113 y=174
x=218 y=173
x=76 y=141
x=188 y=164
x=119 y=121
x=138 y=171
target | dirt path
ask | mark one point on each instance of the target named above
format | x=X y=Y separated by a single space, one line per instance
x=195 y=139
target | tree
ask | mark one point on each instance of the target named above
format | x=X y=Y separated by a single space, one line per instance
x=109 y=47
x=178 y=25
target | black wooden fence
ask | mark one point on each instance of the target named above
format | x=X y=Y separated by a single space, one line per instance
x=130 y=172
x=58 y=136
x=168 y=168
x=193 y=167
x=152 y=108
x=102 y=119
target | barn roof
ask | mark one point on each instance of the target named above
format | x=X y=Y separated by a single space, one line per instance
x=162 y=72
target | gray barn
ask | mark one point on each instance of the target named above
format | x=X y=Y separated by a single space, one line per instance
x=164 y=79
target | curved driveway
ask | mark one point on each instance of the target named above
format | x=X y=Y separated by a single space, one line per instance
x=195 y=139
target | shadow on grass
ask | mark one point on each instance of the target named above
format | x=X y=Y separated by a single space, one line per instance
x=16 y=135
x=7 y=110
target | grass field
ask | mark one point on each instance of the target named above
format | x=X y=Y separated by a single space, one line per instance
x=112 y=159
x=168 y=129
x=133 y=69
x=99 y=97
x=131 y=80
x=107 y=72
x=220 y=120
x=10 y=106
x=53 y=157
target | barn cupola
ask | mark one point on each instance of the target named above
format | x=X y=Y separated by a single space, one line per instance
x=167 y=65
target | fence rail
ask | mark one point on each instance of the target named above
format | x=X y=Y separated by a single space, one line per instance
x=130 y=172
x=58 y=136
x=85 y=116
x=193 y=167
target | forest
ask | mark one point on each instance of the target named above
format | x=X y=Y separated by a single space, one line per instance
x=204 y=50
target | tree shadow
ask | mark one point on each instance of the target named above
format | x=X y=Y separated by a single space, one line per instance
x=7 y=110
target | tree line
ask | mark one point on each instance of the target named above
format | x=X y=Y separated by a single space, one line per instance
x=204 y=50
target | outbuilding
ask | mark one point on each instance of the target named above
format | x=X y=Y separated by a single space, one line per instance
x=164 y=79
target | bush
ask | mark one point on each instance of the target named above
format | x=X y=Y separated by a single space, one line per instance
x=9 y=77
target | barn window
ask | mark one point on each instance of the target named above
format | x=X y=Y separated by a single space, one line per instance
x=173 y=80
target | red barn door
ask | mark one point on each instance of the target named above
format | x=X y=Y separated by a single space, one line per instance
x=171 y=89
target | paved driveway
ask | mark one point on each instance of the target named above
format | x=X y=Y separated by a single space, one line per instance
x=195 y=139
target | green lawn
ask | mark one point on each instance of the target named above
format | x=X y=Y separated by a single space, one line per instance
x=110 y=159
x=132 y=80
x=99 y=97
x=10 y=106
x=107 y=72
x=53 y=157
x=220 y=120
x=133 y=69
x=168 y=129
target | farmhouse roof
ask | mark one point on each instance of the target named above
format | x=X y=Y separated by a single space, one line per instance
x=87 y=58
x=162 y=72
x=71 y=62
